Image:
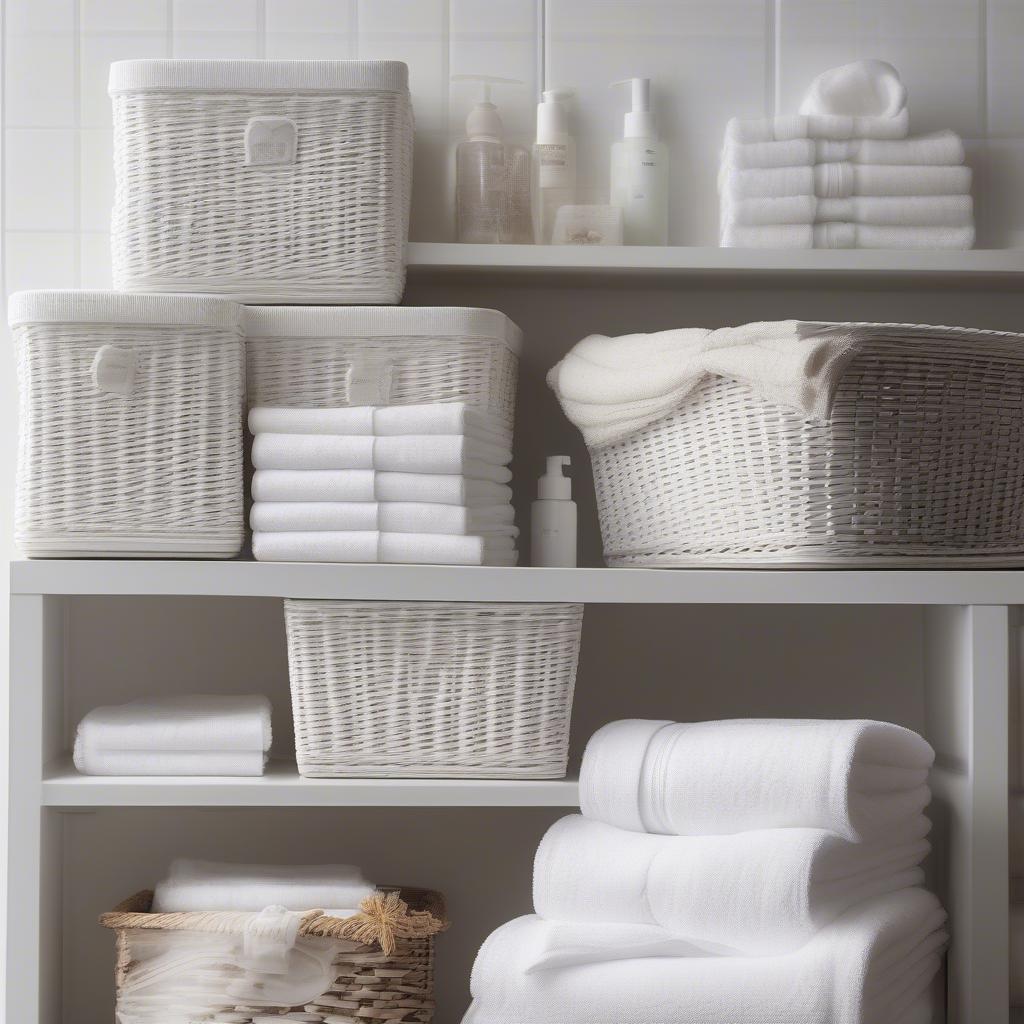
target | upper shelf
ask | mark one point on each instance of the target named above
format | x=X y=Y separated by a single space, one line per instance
x=241 y=578
x=659 y=260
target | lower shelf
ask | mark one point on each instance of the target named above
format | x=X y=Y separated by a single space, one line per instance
x=282 y=786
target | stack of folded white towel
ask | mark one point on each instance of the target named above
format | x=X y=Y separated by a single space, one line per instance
x=843 y=174
x=180 y=735
x=729 y=872
x=412 y=483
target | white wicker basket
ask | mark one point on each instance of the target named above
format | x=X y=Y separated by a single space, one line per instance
x=418 y=689
x=269 y=181
x=130 y=440
x=323 y=357
x=922 y=460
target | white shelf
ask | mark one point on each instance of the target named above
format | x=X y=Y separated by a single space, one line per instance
x=456 y=583
x=644 y=259
x=282 y=786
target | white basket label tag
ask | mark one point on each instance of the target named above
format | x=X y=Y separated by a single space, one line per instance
x=270 y=141
x=369 y=382
x=113 y=371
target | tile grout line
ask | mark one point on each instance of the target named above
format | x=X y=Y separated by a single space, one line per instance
x=353 y=46
x=542 y=56
x=3 y=151
x=983 y=84
x=77 y=157
x=773 y=63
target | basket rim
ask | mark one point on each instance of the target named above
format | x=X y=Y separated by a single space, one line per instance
x=85 y=306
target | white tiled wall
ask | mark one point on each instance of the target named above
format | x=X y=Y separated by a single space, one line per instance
x=709 y=59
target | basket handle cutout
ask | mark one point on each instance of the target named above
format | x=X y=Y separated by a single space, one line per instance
x=113 y=371
x=369 y=382
x=271 y=142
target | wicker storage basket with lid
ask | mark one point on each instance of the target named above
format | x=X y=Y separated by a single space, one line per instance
x=268 y=181
x=382 y=959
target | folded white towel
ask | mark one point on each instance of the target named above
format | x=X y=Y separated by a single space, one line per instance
x=404 y=454
x=760 y=892
x=369 y=485
x=873 y=965
x=817 y=126
x=940 y=149
x=371 y=546
x=862 y=88
x=382 y=421
x=193 y=885
x=221 y=763
x=612 y=387
x=846 y=236
x=906 y=211
x=840 y=180
x=389 y=517
x=856 y=778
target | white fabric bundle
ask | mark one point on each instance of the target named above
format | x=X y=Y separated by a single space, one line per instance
x=759 y=892
x=862 y=88
x=844 y=235
x=371 y=546
x=856 y=778
x=816 y=126
x=390 y=517
x=177 y=735
x=873 y=965
x=938 y=149
x=892 y=211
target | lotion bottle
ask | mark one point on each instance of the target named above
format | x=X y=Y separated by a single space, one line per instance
x=639 y=172
x=554 y=155
x=553 y=518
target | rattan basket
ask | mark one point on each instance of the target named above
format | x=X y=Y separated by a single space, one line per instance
x=130 y=439
x=383 y=958
x=921 y=461
x=269 y=181
x=432 y=689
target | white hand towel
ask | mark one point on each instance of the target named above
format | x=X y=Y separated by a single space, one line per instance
x=856 y=778
x=456 y=418
x=871 y=966
x=611 y=387
x=193 y=885
x=389 y=516
x=817 y=126
x=370 y=546
x=761 y=892
x=940 y=149
x=862 y=88
x=840 y=180
x=405 y=454
x=220 y=763
x=838 y=235
x=905 y=211
x=350 y=485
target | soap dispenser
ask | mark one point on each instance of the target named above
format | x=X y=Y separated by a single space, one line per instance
x=492 y=179
x=553 y=518
x=554 y=156
x=639 y=172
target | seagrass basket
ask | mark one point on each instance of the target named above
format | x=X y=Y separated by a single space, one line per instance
x=381 y=961
x=920 y=462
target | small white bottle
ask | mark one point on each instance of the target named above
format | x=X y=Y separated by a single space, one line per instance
x=554 y=154
x=553 y=518
x=639 y=172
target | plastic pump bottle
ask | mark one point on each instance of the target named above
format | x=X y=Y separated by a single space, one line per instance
x=492 y=180
x=555 y=157
x=553 y=518
x=639 y=172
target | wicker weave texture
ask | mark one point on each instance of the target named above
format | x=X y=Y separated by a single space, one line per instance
x=427 y=689
x=190 y=216
x=922 y=458
x=158 y=471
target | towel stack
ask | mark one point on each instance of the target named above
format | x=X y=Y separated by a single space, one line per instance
x=413 y=483
x=843 y=174
x=179 y=735
x=726 y=872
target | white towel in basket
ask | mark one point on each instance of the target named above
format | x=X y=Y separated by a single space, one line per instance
x=388 y=516
x=371 y=546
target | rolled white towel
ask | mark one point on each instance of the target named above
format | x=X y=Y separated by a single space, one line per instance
x=351 y=485
x=817 y=126
x=890 y=211
x=862 y=88
x=760 y=892
x=839 y=180
x=388 y=516
x=838 y=235
x=371 y=546
x=856 y=778
x=940 y=149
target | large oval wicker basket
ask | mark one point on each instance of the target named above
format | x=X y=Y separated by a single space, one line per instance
x=921 y=460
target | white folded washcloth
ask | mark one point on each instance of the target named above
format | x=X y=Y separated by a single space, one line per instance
x=351 y=485
x=382 y=421
x=840 y=180
x=817 y=126
x=873 y=965
x=939 y=149
x=404 y=454
x=611 y=387
x=371 y=546
x=862 y=88
x=857 y=778
x=837 y=235
x=193 y=885
x=905 y=211
x=760 y=892
x=388 y=516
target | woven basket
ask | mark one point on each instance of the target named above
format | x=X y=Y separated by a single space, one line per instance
x=269 y=181
x=323 y=357
x=425 y=689
x=130 y=440
x=383 y=956
x=922 y=460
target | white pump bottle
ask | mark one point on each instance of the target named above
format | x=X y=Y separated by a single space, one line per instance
x=553 y=518
x=639 y=172
x=555 y=157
